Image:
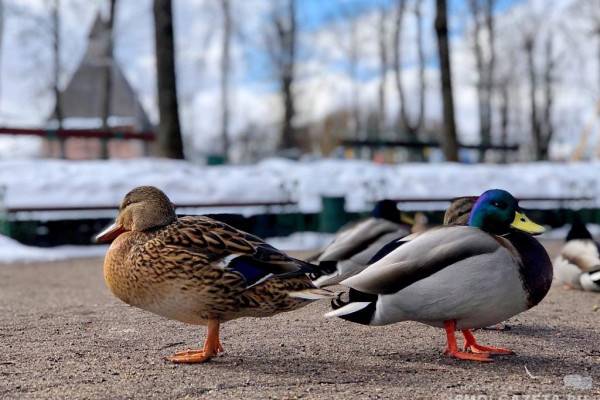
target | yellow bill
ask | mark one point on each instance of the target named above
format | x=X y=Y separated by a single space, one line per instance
x=523 y=223
x=407 y=219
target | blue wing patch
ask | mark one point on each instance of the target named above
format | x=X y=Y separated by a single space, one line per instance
x=250 y=269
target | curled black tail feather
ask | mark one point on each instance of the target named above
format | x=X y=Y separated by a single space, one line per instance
x=323 y=268
x=362 y=316
x=338 y=302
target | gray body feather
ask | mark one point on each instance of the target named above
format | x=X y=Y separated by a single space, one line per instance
x=354 y=247
x=450 y=273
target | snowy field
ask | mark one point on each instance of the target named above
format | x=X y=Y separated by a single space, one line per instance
x=39 y=183
x=12 y=251
x=42 y=183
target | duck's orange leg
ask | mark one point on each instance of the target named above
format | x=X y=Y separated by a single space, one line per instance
x=452 y=349
x=471 y=344
x=212 y=346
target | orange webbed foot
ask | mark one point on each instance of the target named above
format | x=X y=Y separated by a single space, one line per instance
x=481 y=357
x=472 y=345
x=479 y=349
x=190 y=357
x=452 y=348
x=212 y=346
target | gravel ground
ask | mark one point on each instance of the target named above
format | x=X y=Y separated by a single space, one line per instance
x=63 y=335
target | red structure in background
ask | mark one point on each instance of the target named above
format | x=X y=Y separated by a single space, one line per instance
x=80 y=144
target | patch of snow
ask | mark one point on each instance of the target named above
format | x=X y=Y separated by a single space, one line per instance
x=47 y=183
x=301 y=241
x=12 y=251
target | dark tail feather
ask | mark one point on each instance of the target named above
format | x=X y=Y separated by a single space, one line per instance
x=362 y=314
x=323 y=268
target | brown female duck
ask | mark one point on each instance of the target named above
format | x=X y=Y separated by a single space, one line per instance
x=198 y=270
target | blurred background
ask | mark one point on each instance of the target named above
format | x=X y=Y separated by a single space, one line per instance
x=294 y=107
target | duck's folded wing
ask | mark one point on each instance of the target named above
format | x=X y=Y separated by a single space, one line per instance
x=359 y=237
x=417 y=259
x=582 y=253
x=224 y=246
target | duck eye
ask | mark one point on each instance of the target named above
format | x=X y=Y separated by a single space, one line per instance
x=499 y=204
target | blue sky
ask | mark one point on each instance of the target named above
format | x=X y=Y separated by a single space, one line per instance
x=316 y=14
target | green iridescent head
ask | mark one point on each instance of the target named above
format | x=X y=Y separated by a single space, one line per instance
x=497 y=211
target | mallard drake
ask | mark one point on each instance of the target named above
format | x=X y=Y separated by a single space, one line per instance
x=457 y=213
x=363 y=243
x=356 y=243
x=456 y=277
x=198 y=270
x=578 y=264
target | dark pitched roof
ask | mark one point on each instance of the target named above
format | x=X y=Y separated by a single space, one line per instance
x=82 y=98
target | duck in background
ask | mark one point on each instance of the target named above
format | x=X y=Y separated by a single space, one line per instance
x=356 y=243
x=456 y=277
x=198 y=270
x=578 y=264
x=362 y=243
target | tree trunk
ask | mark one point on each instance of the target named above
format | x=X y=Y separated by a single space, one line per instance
x=421 y=55
x=108 y=68
x=225 y=73
x=598 y=60
x=353 y=61
x=533 y=112
x=383 y=65
x=490 y=80
x=405 y=124
x=449 y=140
x=548 y=125
x=170 y=143
x=56 y=62
x=56 y=44
x=504 y=117
x=484 y=66
x=285 y=25
x=1 y=41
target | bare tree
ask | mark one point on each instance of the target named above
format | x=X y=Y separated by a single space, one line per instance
x=1 y=40
x=542 y=128
x=169 y=131
x=55 y=28
x=225 y=73
x=483 y=17
x=547 y=124
x=108 y=68
x=411 y=128
x=590 y=11
x=281 y=46
x=353 y=59
x=504 y=93
x=382 y=38
x=449 y=139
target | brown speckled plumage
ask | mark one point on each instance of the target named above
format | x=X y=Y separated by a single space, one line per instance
x=198 y=270
x=181 y=260
x=180 y=268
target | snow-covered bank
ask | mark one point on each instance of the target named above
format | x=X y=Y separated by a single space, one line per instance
x=79 y=183
x=301 y=241
x=12 y=251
